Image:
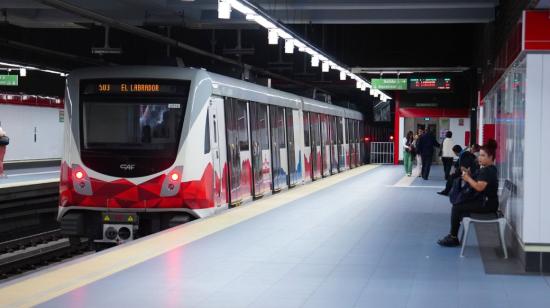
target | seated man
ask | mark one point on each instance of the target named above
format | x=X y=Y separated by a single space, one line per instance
x=465 y=160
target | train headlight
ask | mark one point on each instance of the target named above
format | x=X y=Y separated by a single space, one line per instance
x=172 y=182
x=81 y=181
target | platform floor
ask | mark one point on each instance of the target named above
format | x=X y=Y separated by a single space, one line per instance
x=361 y=242
x=29 y=176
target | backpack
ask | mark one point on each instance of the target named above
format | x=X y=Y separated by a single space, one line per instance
x=462 y=193
x=4 y=140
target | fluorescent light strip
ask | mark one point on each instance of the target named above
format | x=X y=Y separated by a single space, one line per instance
x=31 y=68
x=275 y=32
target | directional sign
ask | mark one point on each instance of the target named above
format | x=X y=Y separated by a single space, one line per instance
x=389 y=84
x=9 y=80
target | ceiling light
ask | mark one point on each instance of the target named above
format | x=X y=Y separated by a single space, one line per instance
x=358 y=84
x=315 y=61
x=342 y=75
x=272 y=37
x=325 y=67
x=363 y=86
x=289 y=46
x=224 y=9
x=371 y=92
x=240 y=7
x=23 y=72
x=265 y=23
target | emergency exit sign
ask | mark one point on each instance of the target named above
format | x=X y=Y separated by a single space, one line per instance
x=9 y=80
x=389 y=84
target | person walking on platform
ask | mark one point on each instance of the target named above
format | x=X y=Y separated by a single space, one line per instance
x=484 y=196
x=4 y=141
x=408 y=152
x=447 y=155
x=466 y=160
x=418 y=169
x=426 y=145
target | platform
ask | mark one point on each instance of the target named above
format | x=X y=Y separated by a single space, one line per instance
x=28 y=176
x=352 y=240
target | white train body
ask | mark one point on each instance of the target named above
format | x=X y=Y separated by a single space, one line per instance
x=150 y=147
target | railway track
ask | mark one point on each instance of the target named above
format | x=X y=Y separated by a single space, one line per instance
x=30 y=252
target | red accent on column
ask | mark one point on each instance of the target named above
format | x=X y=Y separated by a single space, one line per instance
x=396 y=130
x=467 y=138
x=488 y=132
x=537 y=30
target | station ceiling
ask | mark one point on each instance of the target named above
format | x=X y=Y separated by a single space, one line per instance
x=203 y=13
x=359 y=33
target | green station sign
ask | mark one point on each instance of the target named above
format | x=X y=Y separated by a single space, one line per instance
x=389 y=84
x=9 y=80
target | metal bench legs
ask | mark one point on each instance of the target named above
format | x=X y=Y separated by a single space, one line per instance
x=466 y=221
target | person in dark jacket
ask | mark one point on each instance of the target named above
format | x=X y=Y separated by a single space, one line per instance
x=465 y=160
x=425 y=147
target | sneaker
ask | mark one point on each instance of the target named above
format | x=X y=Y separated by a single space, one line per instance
x=449 y=241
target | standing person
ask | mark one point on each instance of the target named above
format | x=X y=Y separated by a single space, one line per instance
x=485 y=183
x=4 y=140
x=418 y=157
x=447 y=155
x=408 y=152
x=426 y=145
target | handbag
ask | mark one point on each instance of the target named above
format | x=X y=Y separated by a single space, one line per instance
x=462 y=192
x=4 y=140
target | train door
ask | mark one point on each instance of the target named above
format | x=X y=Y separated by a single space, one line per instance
x=325 y=146
x=218 y=157
x=333 y=146
x=351 y=144
x=261 y=160
x=340 y=144
x=291 y=148
x=278 y=147
x=308 y=159
x=238 y=151
x=316 y=145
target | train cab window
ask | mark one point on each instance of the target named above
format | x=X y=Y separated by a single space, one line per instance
x=306 y=129
x=119 y=128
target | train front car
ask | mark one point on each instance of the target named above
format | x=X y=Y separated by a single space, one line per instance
x=134 y=162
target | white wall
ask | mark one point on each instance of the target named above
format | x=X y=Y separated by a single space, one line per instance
x=19 y=123
x=536 y=215
x=459 y=132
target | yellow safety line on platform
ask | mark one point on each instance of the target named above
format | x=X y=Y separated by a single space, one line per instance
x=405 y=181
x=44 y=286
x=28 y=183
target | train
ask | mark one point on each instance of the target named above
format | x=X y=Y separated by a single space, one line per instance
x=147 y=148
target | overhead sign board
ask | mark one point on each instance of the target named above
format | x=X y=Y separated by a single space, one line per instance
x=389 y=84
x=9 y=80
x=429 y=83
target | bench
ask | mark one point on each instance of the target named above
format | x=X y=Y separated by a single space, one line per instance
x=491 y=218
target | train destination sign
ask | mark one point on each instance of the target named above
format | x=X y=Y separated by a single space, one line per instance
x=430 y=84
x=389 y=84
x=9 y=80
x=120 y=87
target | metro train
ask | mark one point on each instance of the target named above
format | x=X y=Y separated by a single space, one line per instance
x=148 y=148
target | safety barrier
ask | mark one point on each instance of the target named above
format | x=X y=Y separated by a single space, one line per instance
x=381 y=152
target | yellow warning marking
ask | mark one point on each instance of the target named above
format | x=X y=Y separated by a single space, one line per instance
x=130 y=219
x=43 y=286
x=106 y=218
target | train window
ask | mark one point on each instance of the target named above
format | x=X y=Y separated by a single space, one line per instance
x=281 y=127
x=306 y=129
x=263 y=127
x=207 y=134
x=339 y=129
x=242 y=124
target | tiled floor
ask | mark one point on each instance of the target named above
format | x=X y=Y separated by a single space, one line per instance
x=360 y=243
x=29 y=174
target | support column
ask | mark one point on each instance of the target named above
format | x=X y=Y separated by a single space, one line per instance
x=396 y=130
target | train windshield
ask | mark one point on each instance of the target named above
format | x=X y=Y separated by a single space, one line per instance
x=129 y=128
x=131 y=125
